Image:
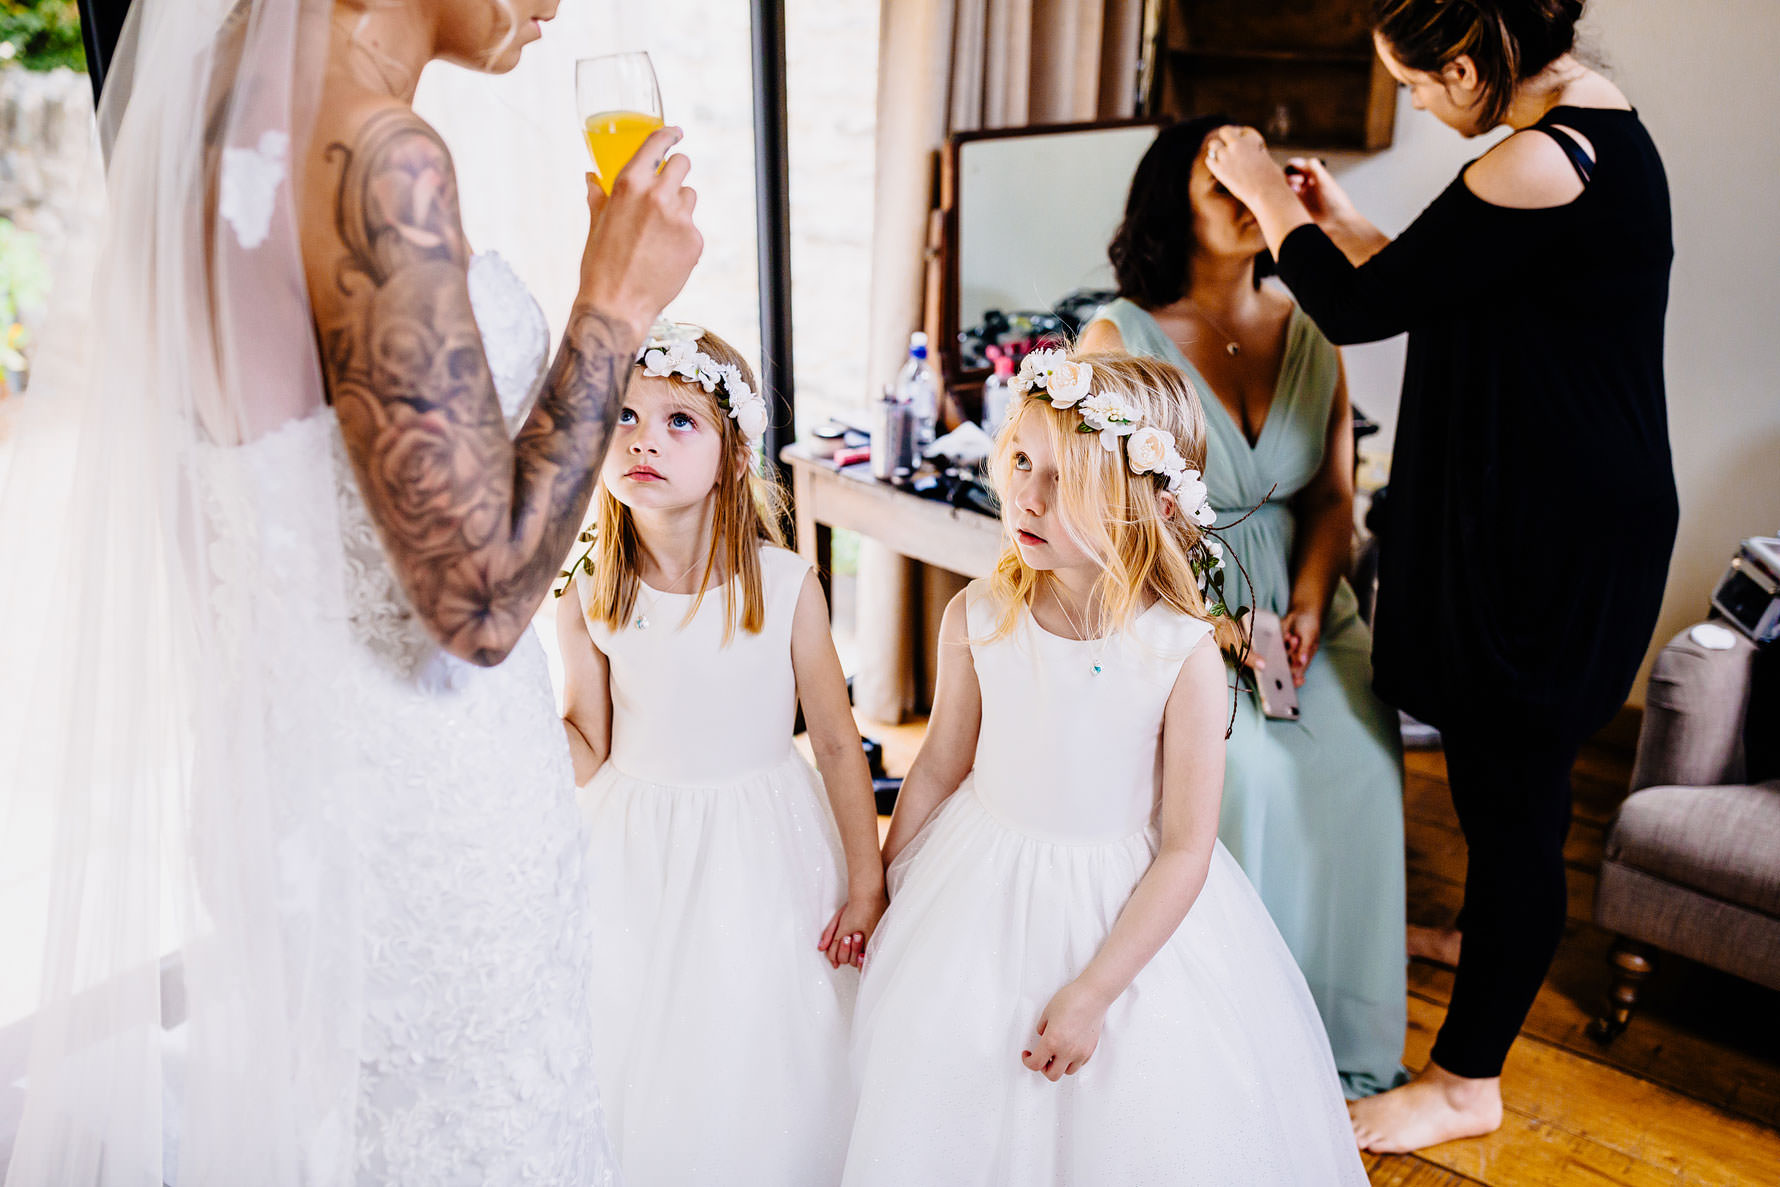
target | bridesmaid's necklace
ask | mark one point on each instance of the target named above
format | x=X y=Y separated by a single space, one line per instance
x=1097 y=645
x=1232 y=347
x=641 y=621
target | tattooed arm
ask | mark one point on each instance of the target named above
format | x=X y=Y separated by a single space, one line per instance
x=475 y=525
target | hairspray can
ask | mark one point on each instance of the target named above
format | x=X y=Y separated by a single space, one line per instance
x=892 y=436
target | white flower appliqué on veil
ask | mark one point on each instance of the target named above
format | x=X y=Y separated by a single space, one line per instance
x=250 y=178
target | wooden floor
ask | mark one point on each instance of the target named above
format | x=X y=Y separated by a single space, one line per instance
x=1690 y=1094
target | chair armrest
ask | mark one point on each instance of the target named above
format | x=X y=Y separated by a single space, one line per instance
x=1694 y=712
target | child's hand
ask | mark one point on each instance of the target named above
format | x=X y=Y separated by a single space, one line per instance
x=1068 y=1032
x=847 y=934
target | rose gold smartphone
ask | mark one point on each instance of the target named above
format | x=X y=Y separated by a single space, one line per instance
x=1279 y=696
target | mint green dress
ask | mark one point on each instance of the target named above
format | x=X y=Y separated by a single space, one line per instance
x=1313 y=809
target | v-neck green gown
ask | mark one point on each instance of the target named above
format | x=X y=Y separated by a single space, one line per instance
x=1313 y=809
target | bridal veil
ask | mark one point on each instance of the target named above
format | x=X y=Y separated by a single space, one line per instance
x=194 y=980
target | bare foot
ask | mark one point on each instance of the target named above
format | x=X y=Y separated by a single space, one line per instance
x=1438 y=944
x=1435 y=1107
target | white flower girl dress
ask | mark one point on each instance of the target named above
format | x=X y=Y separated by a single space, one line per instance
x=1212 y=1067
x=720 y=1031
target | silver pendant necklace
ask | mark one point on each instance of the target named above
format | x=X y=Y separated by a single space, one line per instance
x=1097 y=648
x=1232 y=347
x=641 y=621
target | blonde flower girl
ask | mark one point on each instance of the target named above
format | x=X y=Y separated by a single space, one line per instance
x=1074 y=982
x=727 y=939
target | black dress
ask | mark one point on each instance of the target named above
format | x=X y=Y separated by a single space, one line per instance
x=1532 y=511
x=1532 y=505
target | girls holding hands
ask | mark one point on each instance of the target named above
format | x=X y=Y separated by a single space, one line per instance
x=726 y=934
x=1075 y=983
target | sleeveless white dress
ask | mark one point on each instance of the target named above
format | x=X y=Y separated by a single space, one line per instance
x=1212 y=1066
x=447 y=847
x=720 y=1031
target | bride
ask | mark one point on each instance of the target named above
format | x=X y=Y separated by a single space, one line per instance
x=315 y=907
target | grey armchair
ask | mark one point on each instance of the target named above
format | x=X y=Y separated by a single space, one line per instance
x=1692 y=861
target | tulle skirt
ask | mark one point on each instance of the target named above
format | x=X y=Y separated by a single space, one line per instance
x=720 y=1031
x=1212 y=1067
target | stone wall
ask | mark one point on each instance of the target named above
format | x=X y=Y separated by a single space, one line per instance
x=46 y=134
x=46 y=148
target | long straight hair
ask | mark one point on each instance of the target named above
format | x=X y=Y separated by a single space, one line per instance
x=746 y=512
x=1144 y=550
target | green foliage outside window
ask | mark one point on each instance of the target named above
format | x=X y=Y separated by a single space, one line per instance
x=41 y=34
x=24 y=284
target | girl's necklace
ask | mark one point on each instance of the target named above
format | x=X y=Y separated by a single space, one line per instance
x=641 y=621
x=1097 y=645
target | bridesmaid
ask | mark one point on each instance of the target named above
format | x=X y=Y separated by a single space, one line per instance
x=1312 y=809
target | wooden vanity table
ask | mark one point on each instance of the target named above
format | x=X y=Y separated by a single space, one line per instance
x=926 y=530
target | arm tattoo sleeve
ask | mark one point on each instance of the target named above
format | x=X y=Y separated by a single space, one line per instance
x=475 y=525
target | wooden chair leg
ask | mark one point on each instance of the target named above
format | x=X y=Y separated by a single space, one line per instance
x=1632 y=965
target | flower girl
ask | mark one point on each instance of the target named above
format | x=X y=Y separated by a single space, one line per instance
x=723 y=994
x=1074 y=982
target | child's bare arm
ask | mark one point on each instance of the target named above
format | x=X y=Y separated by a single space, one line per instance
x=949 y=750
x=1192 y=791
x=834 y=738
x=587 y=700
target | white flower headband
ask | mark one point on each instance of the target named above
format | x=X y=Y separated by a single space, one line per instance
x=672 y=350
x=1149 y=450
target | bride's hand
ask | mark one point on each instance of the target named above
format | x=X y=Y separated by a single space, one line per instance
x=641 y=241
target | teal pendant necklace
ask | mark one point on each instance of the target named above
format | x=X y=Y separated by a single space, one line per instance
x=1097 y=645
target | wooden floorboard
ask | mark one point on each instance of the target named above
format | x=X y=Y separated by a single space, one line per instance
x=1699 y=1032
x=1690 y=1093
x=1409 y=1170
x=1570 y=1116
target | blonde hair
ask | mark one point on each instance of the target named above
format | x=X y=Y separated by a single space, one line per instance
x=1120 y=519
x=749 y=510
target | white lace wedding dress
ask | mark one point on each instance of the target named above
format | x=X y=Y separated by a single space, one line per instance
x=427 y=815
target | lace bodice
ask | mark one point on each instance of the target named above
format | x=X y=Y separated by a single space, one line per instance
x=430 y=852
x=515 y=335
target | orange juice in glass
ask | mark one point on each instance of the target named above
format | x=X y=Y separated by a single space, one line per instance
x=620 y=105
x=613 y=138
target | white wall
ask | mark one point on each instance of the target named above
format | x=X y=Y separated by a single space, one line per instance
x=1702 y=76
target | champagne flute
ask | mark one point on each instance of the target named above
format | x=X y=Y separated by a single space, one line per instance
x=620 y=105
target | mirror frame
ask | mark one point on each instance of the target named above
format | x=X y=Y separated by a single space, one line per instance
x=946 y=328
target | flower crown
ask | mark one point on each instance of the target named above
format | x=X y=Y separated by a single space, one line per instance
x=672 y=350
x=1053 y=376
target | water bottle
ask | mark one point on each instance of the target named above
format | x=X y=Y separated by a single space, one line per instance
x=892 y=436
x=996 y=391
x=917 y=387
